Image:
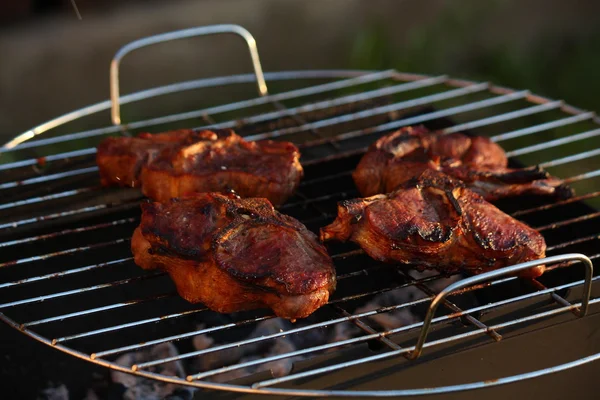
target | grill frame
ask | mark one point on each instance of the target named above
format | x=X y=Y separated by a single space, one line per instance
x=358 y=76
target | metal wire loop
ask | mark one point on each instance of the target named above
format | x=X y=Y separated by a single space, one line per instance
x=181 y=34
x=338 y=111
x=473 y=280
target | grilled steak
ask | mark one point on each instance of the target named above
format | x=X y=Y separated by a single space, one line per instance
x=477 y=161
x=177 y=163
x=435 y=222
x=120 y=159
x=235 y=254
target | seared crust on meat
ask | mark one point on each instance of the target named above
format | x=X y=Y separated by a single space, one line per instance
x=120 y=159
x=177 y=163
x=477 y=161
x=436 y=222
x=235 y=254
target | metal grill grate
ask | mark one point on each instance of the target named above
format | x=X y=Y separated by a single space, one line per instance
x=68 y=280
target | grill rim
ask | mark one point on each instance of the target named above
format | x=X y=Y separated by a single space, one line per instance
x=284 y=75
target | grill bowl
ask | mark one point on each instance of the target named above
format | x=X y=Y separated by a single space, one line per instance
x=66 y=240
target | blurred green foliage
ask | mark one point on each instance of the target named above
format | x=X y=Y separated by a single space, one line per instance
x=557 y=66
x=560 y=65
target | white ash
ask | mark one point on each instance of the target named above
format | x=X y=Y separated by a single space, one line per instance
x=91 y=395
x=249 y=352
x=395 y=318
x=278 y=368
x=141 y=388
x=54 y=393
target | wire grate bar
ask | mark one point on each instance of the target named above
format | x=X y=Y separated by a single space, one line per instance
x=314 y=206
x=426 y=345
x=67 y=231
x=93 y=311
x=374 y=111
x=65 y=273
x=335 y=102
x=80 y=290
x=130 y=324
x=312 y=90
x=517 y=213
x=46 y=159
x=361 y=315
x=428 y=116
x=54 y=196
x=195 y=84
x=300 y=121
x=66 y=214
x=558 y=299
x=454 y=308
x=178 y=337
x=144 y=344
x=61 y=139
x=366 y=271
x=553 y=143
x=46 y=178
x=543 y=127
x=109 y=215
x=364 y=294
x=174 y=338
x=345 y=118
x=117 y=305
x=512 y=115
x=193 y=333
x=210 y=111
x=262 y=117
x=367 y=328
x=376 y=335
x=572 y=242
x=63 y=252
x=36 y=258
x=52 y=216
x=504 y=117
x=272 y=336
x=282 y=356
x=316 y=348
x=353 y=152
x=557 y=204
x=569 y=159
x=570 y=221
x=581 y=177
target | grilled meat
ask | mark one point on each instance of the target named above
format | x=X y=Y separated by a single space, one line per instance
x=477 y=161
x=235 y=254
x=436 y=222
x=120 y=159
x=176 y=163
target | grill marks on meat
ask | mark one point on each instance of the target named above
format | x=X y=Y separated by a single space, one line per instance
x=235 y=254
x=435 y=222
x=477 y=161
x=120 y=159
x=176 y=163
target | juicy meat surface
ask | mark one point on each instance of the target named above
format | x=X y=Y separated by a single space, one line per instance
x=176 y=163
x=235 y=254
x=477 y=161
x=435 y=222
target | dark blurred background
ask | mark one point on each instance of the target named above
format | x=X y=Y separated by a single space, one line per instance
x=51 y=62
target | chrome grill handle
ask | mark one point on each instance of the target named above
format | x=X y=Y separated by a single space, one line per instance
x=181 y=34
x=487 y=276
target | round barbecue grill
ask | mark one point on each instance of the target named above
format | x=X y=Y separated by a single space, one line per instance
x=67 y=278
